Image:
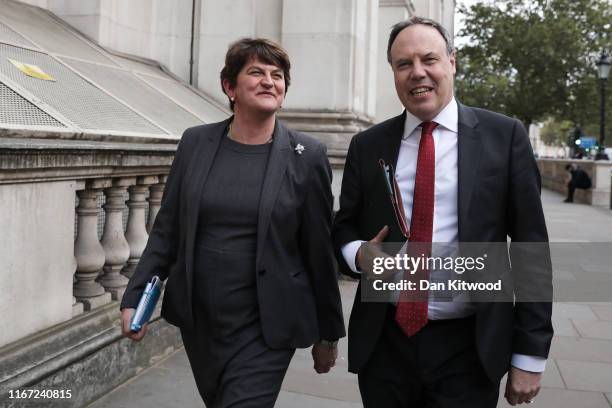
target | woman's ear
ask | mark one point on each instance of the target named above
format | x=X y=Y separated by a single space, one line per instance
x=229 y=90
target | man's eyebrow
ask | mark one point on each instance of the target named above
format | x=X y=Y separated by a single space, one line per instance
x=402 y=60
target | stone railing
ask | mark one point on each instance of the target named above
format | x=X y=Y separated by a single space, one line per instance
x=39 y=174
x=103 y=266
x=48 y=234
x=554 y=177
x=75 y=217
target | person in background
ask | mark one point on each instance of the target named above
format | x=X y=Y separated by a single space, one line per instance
x=243 y=238
x=577 y=178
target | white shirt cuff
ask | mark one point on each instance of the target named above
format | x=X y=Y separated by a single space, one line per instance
x=529 y=363
x=349 y=252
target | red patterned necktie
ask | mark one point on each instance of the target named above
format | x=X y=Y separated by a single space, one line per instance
x=411 y=315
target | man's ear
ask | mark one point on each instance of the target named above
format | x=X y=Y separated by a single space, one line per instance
x=453 y=61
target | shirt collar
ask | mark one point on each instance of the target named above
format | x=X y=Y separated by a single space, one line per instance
x=448 y=118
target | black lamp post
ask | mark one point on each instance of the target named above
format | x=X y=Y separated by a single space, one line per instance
x=603 y=68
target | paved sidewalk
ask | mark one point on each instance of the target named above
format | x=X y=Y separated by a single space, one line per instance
x=578 y=374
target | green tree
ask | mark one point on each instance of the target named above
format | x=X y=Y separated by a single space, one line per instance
x=556 y=133
x=534 y=59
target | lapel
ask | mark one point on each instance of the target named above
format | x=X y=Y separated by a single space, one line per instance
x=389 y=150
x=275 y=172
x=469 y=148
x=199 y=166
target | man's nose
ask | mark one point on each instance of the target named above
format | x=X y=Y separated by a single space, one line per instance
x=418 y=71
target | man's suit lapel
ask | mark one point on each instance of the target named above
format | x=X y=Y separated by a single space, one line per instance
x=389 y=149
x=198 y=170
x=469 y=148
x=275 y=172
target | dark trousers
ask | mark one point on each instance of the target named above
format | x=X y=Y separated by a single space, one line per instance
x=436 y=368
x=232 y=365
x=571 y=188
x=251 y=378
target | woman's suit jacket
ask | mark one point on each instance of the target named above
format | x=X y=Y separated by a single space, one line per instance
x=297 y=287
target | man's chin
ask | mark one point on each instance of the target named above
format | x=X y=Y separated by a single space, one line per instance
x=423 y=114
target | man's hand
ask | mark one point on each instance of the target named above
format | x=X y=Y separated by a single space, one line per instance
x=126 y=320
x=522 y=386
x=324 y=357
x=372 y=249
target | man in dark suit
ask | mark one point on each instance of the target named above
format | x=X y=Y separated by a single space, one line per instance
x=464 y=175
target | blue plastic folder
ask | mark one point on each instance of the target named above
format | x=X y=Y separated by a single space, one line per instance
x=147 y=303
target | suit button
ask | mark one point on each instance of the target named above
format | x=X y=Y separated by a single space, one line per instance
x=262 y=272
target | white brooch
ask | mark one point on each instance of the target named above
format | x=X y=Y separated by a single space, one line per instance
x=299 y=148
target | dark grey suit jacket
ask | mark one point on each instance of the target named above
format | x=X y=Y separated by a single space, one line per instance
x=297 y=287
x=499 y=196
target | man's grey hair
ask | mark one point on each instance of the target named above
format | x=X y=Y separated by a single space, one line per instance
x=397 y=28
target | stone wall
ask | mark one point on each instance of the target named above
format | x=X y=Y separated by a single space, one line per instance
x=554 y=177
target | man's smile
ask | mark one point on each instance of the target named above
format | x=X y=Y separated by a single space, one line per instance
x=421 y=91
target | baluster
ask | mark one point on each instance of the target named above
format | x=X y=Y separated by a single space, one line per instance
x=136 y=233
x=155 y=197
x=88 y=252
x=116 y=247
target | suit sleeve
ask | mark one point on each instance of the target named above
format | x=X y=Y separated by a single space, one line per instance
x=161 y=249
x=529 y=252
x=345 y=225
x=315 y=244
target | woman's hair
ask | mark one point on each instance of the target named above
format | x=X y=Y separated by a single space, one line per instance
x=246 y=49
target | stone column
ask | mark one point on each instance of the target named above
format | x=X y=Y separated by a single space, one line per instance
x=333 y=47
x=221 y=23
x=88 y=252
x=116 y=247
x=390 y=12
x=156 y=191
x=343 y=34
x=136 y=233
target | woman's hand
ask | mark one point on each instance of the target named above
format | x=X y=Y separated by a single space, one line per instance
x=126 y=320
x=324 y=357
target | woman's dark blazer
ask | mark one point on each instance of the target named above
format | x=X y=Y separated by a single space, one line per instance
x=297 y=286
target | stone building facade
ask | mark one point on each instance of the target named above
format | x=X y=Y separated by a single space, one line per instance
x=84 y=157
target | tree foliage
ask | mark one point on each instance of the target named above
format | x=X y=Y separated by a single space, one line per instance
x=534 y=59
x=556 y=133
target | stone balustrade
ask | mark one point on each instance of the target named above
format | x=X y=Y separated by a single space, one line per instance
x=554 y=177
x=104 y=265
x=52 y=258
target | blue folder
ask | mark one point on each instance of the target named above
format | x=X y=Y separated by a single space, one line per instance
x=147 y=303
